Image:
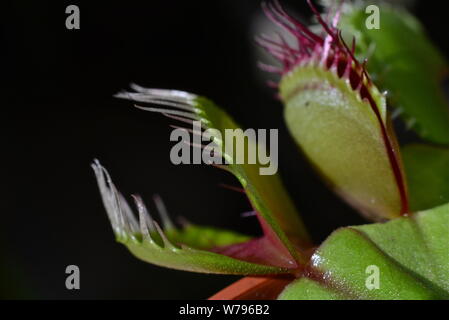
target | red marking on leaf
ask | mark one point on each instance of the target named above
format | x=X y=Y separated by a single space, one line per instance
x=266 y=250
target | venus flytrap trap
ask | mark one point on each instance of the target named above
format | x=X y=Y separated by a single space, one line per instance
x=275 y=252
x=339 y=118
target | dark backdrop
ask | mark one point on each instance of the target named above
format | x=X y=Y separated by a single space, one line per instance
x=59 y=114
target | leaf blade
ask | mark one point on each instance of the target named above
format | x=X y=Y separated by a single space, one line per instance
x=412 y=254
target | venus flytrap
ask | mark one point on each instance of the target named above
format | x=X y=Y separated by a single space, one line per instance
x=340 y=120
x=275 y=252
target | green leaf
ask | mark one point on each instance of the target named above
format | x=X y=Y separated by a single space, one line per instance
x=427 y=169
x=344 y=138
x=411 y=254
x=265 y=192
x=408 y=65
x=178 y=249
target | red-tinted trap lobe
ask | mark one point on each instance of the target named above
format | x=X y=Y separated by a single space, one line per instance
x=266 y=250
x=329 y=52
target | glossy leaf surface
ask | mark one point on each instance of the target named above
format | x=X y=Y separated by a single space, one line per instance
x=411 y=254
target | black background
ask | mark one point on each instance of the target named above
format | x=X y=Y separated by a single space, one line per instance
x=59 y=114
